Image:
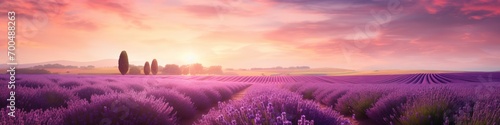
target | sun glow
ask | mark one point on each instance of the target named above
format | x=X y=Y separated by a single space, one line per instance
x=190 y=58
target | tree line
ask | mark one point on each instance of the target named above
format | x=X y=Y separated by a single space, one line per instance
x=60 y=66
x=169 y=69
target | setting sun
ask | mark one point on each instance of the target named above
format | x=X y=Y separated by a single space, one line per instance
x=190 y=58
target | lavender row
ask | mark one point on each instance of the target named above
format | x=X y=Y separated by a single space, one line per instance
x=408 y=103
x=181 y=99
x=267 y=104
x=421 y=78
x=114 y=108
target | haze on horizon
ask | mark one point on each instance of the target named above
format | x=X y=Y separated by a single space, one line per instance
x=349 y=34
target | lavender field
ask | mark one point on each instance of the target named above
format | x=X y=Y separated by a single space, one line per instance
x=410 y=99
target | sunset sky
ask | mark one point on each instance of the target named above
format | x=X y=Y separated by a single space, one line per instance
x=351 y=34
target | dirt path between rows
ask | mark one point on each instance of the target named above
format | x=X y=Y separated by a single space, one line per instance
x=237 y=96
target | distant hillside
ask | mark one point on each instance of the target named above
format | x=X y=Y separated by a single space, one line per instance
x=98 y=63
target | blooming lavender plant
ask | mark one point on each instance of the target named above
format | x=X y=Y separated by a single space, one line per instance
x=482 y=112
x=270 y=105
x=224 y=92
x=212 y=94
x=29 y=83
x=88 y=91
x=35 y=117
x=199 y=99
x=431 y=106
x=70 y=84
x=127 y=108
x=43 y=98
x=136 y=87
x=182 y=105
x=388 y=109
x=116 y=88
x=358 y=101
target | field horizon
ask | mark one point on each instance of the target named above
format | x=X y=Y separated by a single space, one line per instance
x=109 y=66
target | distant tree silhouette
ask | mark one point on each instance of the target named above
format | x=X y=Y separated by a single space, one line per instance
x=90 y=67
x=87 y=67
x=31 y=71
x=154 y=67
x=160 y=68
x=214 y=70
x=184 y=69
x=123 y=63
x=54 y=66
x=134 y=70
x=196 y=69
x=147 y=68
x=172 y=69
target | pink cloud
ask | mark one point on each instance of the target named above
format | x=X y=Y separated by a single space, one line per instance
x=491 y=8
x=203 y=11
x=27 y=8
x=295 y=32
x=221 y=8
x=123 y=9
x=473 y=9
x=83 y=24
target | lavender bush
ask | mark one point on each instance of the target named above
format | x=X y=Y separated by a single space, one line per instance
x=199 y=99
x=44 y=98
x=88 y=91
x=388 y=109
x=32 y=83
x=181 y=104
x=431 y=106
x=129 y=108
x=483 y=112
x=224 y=92
x=357 y=102
x=36 y=117
x=116 y=88
x=212 y=95
x=136 y=87
x=70 y=84
x=270 y=105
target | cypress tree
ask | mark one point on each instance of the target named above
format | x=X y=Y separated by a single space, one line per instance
x=147 y=69
x=123 y=63
x=154 y=67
